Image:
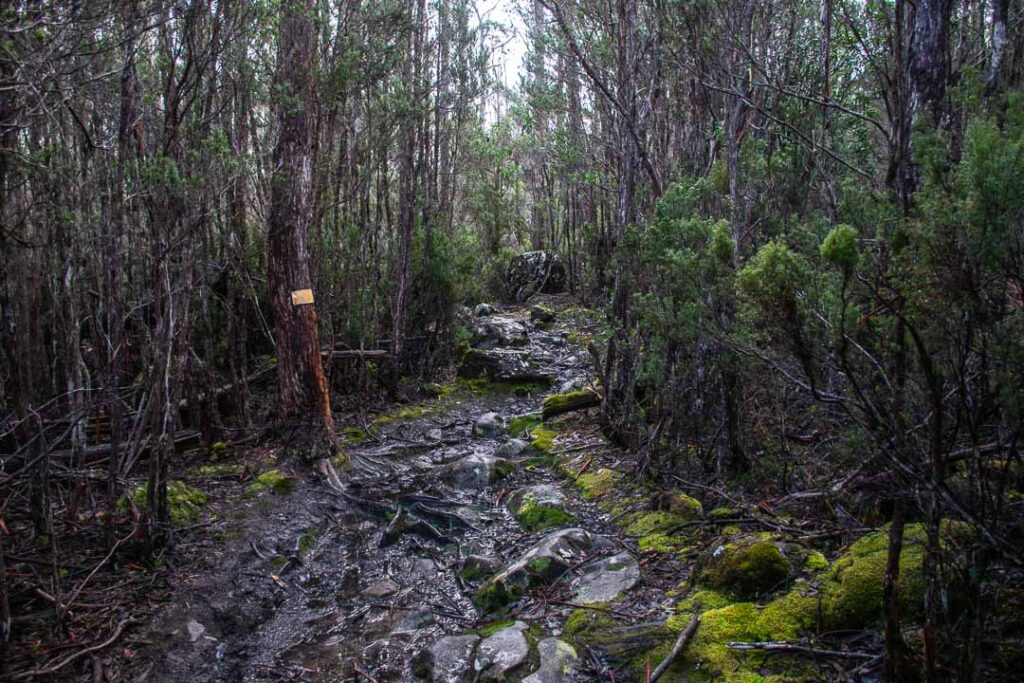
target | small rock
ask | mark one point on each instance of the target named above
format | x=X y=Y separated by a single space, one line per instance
x=488 y=426
x=449 y=660
x=483 y=310
x=747 y=565
x=381 y=589
x=606 y=579
x=557 y=662
x=195 y=630
x=535 y=271
x=511 y=448
x=502 y=652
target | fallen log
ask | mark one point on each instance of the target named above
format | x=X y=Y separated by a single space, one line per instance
x=559 y=404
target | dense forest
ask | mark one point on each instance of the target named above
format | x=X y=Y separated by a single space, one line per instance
x=773 y=251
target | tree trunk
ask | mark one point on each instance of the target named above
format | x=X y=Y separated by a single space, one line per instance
x=302 y=386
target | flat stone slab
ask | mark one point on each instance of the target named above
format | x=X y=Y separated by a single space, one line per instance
x=502 y=652
x=606 y=579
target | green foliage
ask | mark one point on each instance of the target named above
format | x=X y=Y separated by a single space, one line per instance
x=840 y=248
x=184 y=502
x=271 y=480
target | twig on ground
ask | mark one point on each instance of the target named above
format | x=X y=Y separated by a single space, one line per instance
x=769 y=646
x=680 y=643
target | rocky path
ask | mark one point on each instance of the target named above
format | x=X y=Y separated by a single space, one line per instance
x=455 y=552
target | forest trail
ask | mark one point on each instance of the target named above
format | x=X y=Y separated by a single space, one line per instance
x=378 y=582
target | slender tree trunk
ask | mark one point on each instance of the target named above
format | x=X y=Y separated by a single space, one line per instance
x=302 y=386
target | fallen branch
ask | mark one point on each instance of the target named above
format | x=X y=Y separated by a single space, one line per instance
x=559 y=404
x=680 y=643
x=797 y=649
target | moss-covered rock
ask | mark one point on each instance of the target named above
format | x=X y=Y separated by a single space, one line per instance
x=520 y=425
x=723 y=513
x=543 y=438
x=596 y=484
x=748 y=566
x=184 y=502
x=273 y=480
x=851 y=592
x=647 y=523
x=540 y=507
x=708 y=657
x=221 y=471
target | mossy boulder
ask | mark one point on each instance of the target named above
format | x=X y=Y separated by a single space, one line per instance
x=647 y=523
x=184 y=502
x=543 y=506
x=852 y=590
x=274 y=481
x=747 y=566
x=476 y=471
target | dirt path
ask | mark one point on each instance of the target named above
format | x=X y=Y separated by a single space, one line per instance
x=393 y=579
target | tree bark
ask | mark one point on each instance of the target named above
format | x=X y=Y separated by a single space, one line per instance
x=302 y=386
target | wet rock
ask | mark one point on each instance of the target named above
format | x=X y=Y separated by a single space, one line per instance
x=483 y=310
x=476 y=471
x=511 y=448
x=502 y=652
x=606 y=579
x=533 y=272
x=542 y=564
x=478 y=566
x=488 y=425
x=541 y=506
x=557 y=662
x=499 y=331
x=449 y=660
x=503 y=365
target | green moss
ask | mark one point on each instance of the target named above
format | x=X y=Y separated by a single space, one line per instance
x=222 y=470
x=557 y=403
x=533 y=516
x=401 y=415
x=721 y=622
x=731 y=530
x=184 y=502
x=722 y=513
x=218 y=449
x=540 y=565
x=307 y=542
x=815 y=562
x=748 y=567
x=587 y=626
x=274 y=480
x=660 y=543
x=522 y=424
x=685 y=506
x=355 y=436
x=645 y=524
x=495 y=626
x=278 y=563
x=339 y=459
x=543 y=438
x=852 y=589
x=483 y=385
x=596 y=484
